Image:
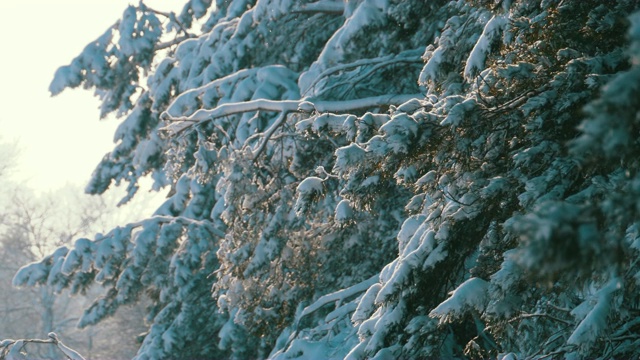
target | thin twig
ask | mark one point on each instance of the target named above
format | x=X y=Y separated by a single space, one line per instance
x=551 y=317
x=176 y=41
x=267 y=135
x=171 y=16
x=381 y=60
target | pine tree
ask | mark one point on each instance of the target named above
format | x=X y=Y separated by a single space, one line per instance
x=369 y=179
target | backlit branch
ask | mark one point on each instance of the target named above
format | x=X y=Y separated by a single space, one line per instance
x=410 y=56
x=327 y=7
x=14 y=349
x=179 y=124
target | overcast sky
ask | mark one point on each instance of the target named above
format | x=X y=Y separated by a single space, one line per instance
x=61 y=138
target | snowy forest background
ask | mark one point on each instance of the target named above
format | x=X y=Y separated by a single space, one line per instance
x=31 y=225
x=363 y=179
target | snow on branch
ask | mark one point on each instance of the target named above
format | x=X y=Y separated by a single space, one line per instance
x=89 y=253
x=476 y=59
x=14 y=349
x=340 y=310
x=327 y=7
x=285 y=106
x=472 y=294
x=594 y=322
x=409 y=56
x=340 y=295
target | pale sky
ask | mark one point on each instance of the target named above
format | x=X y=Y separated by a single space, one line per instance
x=61 y=138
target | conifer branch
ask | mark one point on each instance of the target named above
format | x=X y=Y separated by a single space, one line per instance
x=10 y=348
x=326 y=7
x=406 y=56
x=285 y=106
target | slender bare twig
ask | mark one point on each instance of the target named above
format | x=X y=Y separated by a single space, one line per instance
x=171 y=16
x=176 y=41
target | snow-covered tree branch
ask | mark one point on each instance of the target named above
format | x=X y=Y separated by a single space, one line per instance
x=325 y=6
x=285 y=107
x=370 y=179
x=17 y=349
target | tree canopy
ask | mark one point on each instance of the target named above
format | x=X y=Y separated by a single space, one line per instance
x=369 y=178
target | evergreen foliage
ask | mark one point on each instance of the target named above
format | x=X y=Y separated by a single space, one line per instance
x=370 y=179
